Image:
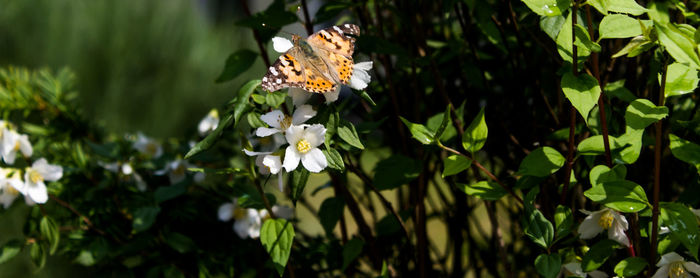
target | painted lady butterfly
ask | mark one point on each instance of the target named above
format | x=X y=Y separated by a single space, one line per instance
x=316 y=64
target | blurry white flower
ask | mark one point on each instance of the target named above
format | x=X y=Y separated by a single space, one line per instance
x=148 y=146
x=127 y=172
x=247 y=222
x=283 y=212
x=674 y=266
x=281 y=44
x=279 y=122
x=199 y=177
x=604 y=219
x=12 y=142
x=209 y=123
x=10 y=183
x=303 y=146
x=268 y=164
x=176 y=170
x=34 y=177
x=574 y=269
x=360 y=76
x=696 y=212
x=298 y=95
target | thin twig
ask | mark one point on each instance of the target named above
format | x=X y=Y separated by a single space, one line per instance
x=657 y=175
x=572 y=110
x=82 y=217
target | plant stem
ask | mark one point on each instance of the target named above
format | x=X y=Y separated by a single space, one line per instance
x=82 y=217
x=263 y=52
x=268 y=207
x=572 y=110
x=657 y=175
x=307 y=20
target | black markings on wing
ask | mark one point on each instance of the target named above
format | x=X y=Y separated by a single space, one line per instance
x=338 y=39
x=287 y=71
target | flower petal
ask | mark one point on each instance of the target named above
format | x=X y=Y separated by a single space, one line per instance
x=360 y=78
x=692 y=267
x=37 y=192
x=332 y=95
x=226 y=212
x=273 y=118
x=597 y=274
x=252 y=153
x=589 y=228
x=315 y=135
x=241 y=228
x=302 y=114
x=314 y=160
x=617 y=233
x=291 y=159
x=264 y=131
x=280 y=183
x=273 y=162
x=293 y=134
x=48 y=171
x=619 y=218
x=299 y=96
x=25 y=146
x=662 y=272
x=669 y=258
x=262 y=169
x=281 y=45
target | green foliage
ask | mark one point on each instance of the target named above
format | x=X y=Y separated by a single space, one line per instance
x=475 y=134
x=621 y=195
x=484 y=190
x=277 y=235
x=683 y=225
x=630 y=267
x=541 y=162
x=582 y=90
x=548 y=265
x=598 y=254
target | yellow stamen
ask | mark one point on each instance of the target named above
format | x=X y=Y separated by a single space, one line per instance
x=303 y=146
x=16 y=148
x=11 y=190
x=606 y=219
x=34 y=176
x=239 y=213
x=286 y=122
x=676 y=270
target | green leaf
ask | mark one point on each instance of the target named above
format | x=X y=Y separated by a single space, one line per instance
x=625 y=6
x=254 y=200
x=548 y=7
x=594 y=145
x=419 y=132
x=49 y=230
x=443 y=124
x=564 y=43
x=274 y=99
x=179 y=242
x=678 y=45
x=335 y=160
x=630 y=267
x=485 y=190
x=539 y=229
x=144 y=218
x=548 y=265
x=683 y=225
x=685 y=150
x=10 y=250
x=563 y=221
x=598 y=254
x=330 y=212
x=475 y=134
x=619 y=26
x=351 y=250
x=347 y=132
x=277 y=235
x=330 y=10
x=169 y=192
x=37 y=252
x=680 y=80
x=582 y=91
x=455 y=164
x=634 y=47
x=237 y=63
x=254 y=120
x=617 y=89
x=541 y=162
x=299 y=179
x=364 y=95
x=331 y=125
x=621 y=195
x=583 y=40
x=601 y=173
x=239 y=106
x=642 y=113
x=395 y=171
x=552 y=25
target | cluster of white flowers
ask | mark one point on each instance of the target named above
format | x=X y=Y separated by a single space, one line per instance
x=176 y=169
x=247 y=222
x=32 y=184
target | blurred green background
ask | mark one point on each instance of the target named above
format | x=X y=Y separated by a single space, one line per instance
x=142 y=65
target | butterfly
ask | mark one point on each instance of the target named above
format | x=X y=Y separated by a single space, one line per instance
x=317 y=64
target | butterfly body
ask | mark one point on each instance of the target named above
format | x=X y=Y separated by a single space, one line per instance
x=316 y=64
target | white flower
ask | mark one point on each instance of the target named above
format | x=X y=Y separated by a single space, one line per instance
x=176 y=170
x=696 y=212
x=148 y=146
x=303 y=146
x=281 y=45
x=12 y=142
x=10 y=184
x=209 y=123
x=247 y=221
x=34 y=177
x=604 y=219
x=299 y=96
x=674 y=266
x=279 y=122
x=268 y=164
x=360 y=76
x=574 y=269
x=127 y=171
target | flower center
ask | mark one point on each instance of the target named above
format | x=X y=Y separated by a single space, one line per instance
x=34 y=176
x=303 y=146
x=606 y=219
x=676 y=270
x=239 y=213
x=151 y=148
x=286 y=122
x=11 y=190
x=16 y=148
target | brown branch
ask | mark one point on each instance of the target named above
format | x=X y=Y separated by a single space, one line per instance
x=256 y=35
x=572 y=110
x=657 y=175
x=80 y=215
x=307 y=19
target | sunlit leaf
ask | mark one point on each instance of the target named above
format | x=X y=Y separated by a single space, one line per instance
x=277 y=235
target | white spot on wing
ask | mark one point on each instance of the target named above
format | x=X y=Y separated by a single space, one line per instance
x=279 y=81
x=347 y=25
x=338 y=29
x=325 y=34
x=264 y=79
x=273 y=71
